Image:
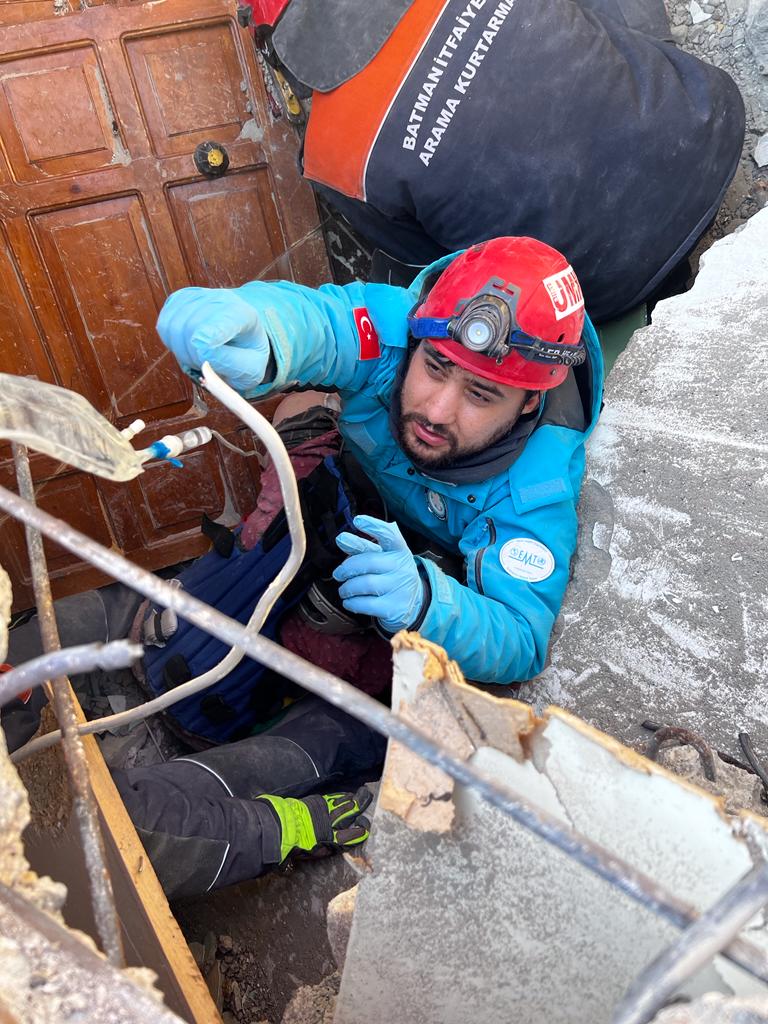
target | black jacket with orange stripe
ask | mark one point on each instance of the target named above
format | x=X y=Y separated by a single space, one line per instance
x=438 y=123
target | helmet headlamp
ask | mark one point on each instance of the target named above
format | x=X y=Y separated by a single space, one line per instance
x=486 y=325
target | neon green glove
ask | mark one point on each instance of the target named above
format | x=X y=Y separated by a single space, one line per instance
x=334 y=821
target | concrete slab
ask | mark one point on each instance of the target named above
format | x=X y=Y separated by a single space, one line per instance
x=666 y=616
x=469 y=916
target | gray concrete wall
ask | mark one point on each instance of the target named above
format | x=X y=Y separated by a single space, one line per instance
x=463 y=915
x=666 y=616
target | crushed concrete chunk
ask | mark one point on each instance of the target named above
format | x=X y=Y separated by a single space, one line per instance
x=313 y=1004
x=697 y=14
x=671 y=520
x=459 y=717
x=339 y=923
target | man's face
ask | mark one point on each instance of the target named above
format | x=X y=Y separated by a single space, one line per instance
x=447 y=413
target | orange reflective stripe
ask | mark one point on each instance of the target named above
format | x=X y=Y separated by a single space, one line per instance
x=344 y=123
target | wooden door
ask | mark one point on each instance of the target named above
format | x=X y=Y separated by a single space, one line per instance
x=103 y=213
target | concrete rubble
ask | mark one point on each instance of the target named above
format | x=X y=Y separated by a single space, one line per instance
x=666 y=615
x=464 y=914
x=733 y=35
x=49 y=973
x=739 y=789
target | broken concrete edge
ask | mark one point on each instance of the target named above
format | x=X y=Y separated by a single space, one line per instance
x=490 y=897
x=744 y=823
x=461 y=718
x=43 y=894
x=47 y=974
x=464 y=718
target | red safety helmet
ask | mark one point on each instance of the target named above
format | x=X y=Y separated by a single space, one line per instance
x=510 y=310
x=265 y=12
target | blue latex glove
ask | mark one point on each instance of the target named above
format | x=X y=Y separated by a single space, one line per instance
x=214 y=324
x=380 y=579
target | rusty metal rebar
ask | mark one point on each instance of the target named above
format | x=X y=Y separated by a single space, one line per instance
x=722 y=754
x=595 y=858
x=676 y=736
x=694 y=948
x=84 y=803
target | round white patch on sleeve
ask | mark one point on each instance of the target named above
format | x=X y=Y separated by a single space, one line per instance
x=527 y=559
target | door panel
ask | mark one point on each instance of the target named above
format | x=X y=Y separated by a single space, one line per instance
x=229 y=224
x=71 y=496
x=55 y=115
x=103 y=212
x=106 y=274
x=191 y=84
x=167 y=498
x=20 y=351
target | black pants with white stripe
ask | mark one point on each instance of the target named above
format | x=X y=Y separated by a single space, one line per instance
x=197 y=816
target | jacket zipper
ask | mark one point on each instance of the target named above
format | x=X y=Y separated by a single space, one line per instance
x=481 y=552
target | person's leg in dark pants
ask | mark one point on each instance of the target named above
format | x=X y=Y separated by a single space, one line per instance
x=198 y=816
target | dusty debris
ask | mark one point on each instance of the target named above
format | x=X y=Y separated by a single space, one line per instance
x=313 y=1004
x=236 y=980
x=45 y=779
x=48 y=972
x=14 y=818
x=739 y=789
x=460 y=717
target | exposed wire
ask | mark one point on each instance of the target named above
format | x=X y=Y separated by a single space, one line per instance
x=233 y=447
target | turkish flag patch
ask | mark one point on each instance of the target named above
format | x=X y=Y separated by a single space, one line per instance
x=366 y=333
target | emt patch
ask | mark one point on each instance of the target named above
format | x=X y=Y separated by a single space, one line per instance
x=367 y=336
x=436 y=505
x=527 y=559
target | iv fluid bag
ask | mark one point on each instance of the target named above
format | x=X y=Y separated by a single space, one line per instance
x=64 y=425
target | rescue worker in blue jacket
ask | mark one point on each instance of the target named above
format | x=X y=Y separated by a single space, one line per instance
x=467 y=400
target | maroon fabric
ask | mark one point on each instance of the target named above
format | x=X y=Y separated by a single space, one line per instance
x=363 y=659
x=304 y=458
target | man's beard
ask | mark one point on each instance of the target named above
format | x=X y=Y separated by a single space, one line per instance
x=446 y=459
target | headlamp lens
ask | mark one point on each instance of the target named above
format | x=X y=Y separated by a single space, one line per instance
x=477 y=334
x=484 y=325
